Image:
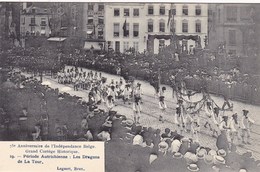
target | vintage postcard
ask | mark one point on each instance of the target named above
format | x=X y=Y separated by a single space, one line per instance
x=99 y=86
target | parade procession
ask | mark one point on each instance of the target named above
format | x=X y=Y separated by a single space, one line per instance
x=166 y=86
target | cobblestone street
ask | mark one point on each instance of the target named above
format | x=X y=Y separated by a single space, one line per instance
x=150 y=112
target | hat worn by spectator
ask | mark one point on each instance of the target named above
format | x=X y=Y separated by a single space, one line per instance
x=129 y=123
x=222 y=152
x=152 y=158
x=203 y=150
x=123 y=122
x=129 y=136
x=242 y=170
x=212 y=152
x=200 y=155
x=208 y=159
x=185 y=139
x=190 y=158
x=193 y=167
x=219 y=160
x=177 y=155
x=96 y=110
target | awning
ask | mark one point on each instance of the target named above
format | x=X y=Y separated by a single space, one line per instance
x=90 y=45
x=56 y=39
x=43 y=32
x=89 y=32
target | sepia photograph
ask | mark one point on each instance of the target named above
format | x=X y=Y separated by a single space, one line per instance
x=165 y=86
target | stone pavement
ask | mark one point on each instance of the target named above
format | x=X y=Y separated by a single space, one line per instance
x=150 y=111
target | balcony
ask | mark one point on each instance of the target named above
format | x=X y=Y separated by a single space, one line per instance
x=32 y=24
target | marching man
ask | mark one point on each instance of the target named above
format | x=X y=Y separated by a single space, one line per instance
x=137 y=110
x=138 y=92
x=162 y=104
x=127 y=93
x=109 y=103
x=179 y=116
x=234 y=128
x=246 y=123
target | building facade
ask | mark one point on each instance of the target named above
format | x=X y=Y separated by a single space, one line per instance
x=94 y=25
x=190 y=24
x=231 y=28
x=145 y=26
x=125 y=26
x=66 y=19
x=34 y=21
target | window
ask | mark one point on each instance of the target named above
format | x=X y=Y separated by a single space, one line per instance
x=23 y=21
x=198 y=26
x=150 y=10
x=43 y=31
x=245 y=13
x=126 y=30
x=184 y=26
x=116 y=12
x=232 y=52
x=231 y=13
x=232 y=37
x=136 y=46
x=43 y=21
x=162 y=10
x=136 y=30
x=90 y=20
x=162 y=26
x=198 y=10
x=161 y=44
x=117 y=48
x=126 y=12
x=110 y=44
x=185 y=10
x=23 y=30
x=136 y=12
x=32 y=30
x=90 y=7
x=100 y=20
x=210 y=12
x=33 y=10
x=100 y=7
x=33 y=21
x=100 y=34
x=126 y=46
x=150 y=26
x=116 y=29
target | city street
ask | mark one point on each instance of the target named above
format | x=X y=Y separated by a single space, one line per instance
x=150 y=113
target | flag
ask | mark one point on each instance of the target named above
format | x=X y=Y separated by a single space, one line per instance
x=124 y=26
x=169 y=17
